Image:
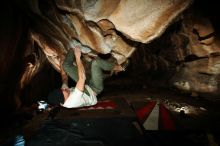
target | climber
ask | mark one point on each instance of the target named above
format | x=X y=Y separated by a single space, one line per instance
x=87 y=87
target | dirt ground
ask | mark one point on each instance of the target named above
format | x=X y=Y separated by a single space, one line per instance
x=195 y=115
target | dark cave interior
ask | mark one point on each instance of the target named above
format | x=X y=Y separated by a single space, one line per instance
x=139 y=80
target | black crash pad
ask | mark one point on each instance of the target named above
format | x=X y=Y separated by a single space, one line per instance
x=100 y=125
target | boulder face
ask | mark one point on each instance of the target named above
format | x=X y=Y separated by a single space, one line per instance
x=187 y=55
x=104 y=26
x=122 y=27
x=200 y=71
x=140 y=21
x=167 y=42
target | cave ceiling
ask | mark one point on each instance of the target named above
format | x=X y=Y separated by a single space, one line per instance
x=122 y=27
